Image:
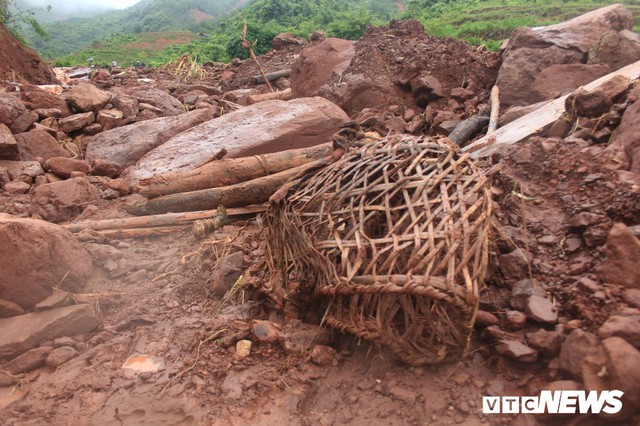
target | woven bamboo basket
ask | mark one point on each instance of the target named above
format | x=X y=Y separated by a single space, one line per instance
x=392 y=241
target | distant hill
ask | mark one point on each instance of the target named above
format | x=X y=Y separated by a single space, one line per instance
x=71 y=35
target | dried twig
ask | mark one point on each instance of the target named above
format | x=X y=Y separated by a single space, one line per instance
x=248 y=45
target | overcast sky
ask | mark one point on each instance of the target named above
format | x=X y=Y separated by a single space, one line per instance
x=69 y=5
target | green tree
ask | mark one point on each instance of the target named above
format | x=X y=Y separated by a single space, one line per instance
x=14 y=18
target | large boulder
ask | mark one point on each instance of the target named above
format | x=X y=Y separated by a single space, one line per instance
x=159 y=99
x=62 y=201
x=268 y=126
x=318 y=63
x=125 y=145
x=531 y=50
x=86 y=97
x=37 y=98
x=10 y=108
x=615 y=49
x=558 y=80
x=39 y=144
x=36 y=256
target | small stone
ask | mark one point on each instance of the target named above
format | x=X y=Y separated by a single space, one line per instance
x=403 y=393
x=541 y=309
x=548 y=240
x=517 y=351
x=7 y=380
x=578 y=345
x=28 y=361
x=572 y=245
x=584 y=219
x=547 y=343
x=484 y=319
x=514 y=320
x=17 y=187
x=627 y=328
x=63 y=341
x=10 y=309
x=514 y=265
x=588 y=285
x=631 y=297
x=243 y=348
x=58 y=299
x=521 y=292
x=323 y=355
x=60 y=355
x=622 y=258
x=265 y=331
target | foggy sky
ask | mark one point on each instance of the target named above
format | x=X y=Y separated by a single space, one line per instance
x=70 y=6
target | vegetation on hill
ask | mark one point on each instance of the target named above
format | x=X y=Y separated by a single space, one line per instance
x=159 y=31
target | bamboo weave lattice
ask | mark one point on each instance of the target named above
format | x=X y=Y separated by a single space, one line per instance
x=393 y=240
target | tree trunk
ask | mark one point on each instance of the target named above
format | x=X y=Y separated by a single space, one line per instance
x=230 y=171
x=272 y=76
x=284 y=95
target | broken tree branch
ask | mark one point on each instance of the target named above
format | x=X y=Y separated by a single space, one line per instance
x=495 y=110
x=230 y=171
x=529 y=124
x=284 y=95
x=247 y=45
x=161 y=220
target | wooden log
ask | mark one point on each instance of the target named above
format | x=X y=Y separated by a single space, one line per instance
x=168 y=219
x=272 y=76
x=495 y=110
x=283 y=95
x=230 y=171
x=142 y=232
x=255 y=191
x=534 y=121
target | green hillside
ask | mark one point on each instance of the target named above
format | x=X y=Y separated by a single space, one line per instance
x=209 y=31
x=72 y=35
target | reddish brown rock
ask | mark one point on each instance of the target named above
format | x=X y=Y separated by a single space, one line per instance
x=261 y=128
x=10 y=309
x=17 y=187
x=622 y=258
x=622 y=365
x=559 y=80
x=323 y=355
x=578 y=345
x=166 y=104
x=22 y=333
x=38 y=143
x=37 y=99
x=8 y=144
x=24 y=122
x=318 y=63
x=76 y=121
x=62 y=201
x=625 y=327
x=60 y=356
x=28 y=361
x=110 y=118
x=625 y=145
x=36 y=256
x=64 y=166
x=125 y=103
x=10 y=108
x=85 y=97
x=531 y=50
x=615 y=49
x=265 y=331
x=123 y=146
